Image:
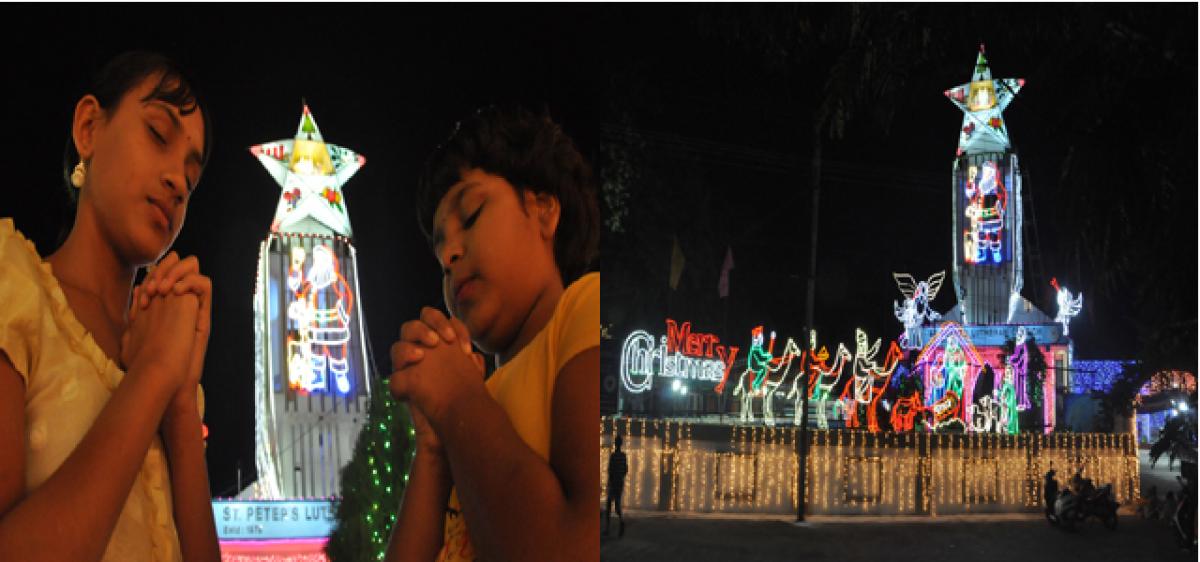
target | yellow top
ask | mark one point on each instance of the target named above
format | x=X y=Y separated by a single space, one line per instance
x=68 y=380
x=524 y=387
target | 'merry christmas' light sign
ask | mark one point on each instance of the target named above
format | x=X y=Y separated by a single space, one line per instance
x=680 y=354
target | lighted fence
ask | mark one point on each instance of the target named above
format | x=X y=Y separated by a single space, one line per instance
x=687 y=467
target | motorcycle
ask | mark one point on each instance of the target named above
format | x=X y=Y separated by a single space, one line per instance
x=1183 y=520
x=1072 y=507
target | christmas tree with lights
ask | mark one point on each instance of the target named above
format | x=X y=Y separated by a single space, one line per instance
x=373 y=483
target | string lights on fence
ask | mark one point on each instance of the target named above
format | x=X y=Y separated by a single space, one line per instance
x=853 y=471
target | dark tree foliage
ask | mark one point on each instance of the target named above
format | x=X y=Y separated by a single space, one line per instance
x=373 y=483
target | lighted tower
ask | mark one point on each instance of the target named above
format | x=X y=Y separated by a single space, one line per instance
x=988 y=247
x=988 y=268
x=312 y=371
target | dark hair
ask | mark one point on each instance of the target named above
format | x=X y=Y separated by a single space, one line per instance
x=122 y=74
x=534 y=154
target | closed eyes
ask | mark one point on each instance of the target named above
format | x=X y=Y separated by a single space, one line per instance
x=471 y=219
x=157 y=136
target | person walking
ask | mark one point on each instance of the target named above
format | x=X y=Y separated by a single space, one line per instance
x=618 y=466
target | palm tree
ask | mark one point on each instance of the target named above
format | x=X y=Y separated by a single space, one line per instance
x=1178 y=438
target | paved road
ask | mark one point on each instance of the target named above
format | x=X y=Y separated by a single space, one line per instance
x=1007 y=538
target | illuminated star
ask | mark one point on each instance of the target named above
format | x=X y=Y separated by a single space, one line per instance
x=982 y=101
x=311 y=173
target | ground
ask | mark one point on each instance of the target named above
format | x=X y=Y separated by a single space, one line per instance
x=977 y=538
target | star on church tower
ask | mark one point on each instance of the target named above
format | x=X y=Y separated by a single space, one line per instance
x=982 y=101
x=311 y=173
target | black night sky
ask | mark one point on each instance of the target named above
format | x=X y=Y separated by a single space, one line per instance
x=700 y=120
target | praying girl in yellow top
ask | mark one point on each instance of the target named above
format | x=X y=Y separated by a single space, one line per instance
x=507 y=468
x=101 y=452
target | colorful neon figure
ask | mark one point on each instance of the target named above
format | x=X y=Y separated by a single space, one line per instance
x=987 y=415
x=321 y=308
x=987 y=203
x=945 y=411
x=762 y=364
x=297 y=339
x=1008 y=401
x=870 y=379
x=824 y=379
x=1019 y=361
x=784 y=365
x=915 y=310
x=808 y=365
x=954 y=365
x=757 y=362
x=945 y=381
x=1068 y=306
x=905 y=411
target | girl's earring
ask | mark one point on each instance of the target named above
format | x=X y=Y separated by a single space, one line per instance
x=78 y=175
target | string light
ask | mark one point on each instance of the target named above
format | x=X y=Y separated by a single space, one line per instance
x=756 y=469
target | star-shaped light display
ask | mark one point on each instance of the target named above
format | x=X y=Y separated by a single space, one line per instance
x=982 y=101
x=311 y=173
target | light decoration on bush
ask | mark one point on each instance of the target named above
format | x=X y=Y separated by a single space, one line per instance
x=1165 y=381
x=1095 y=375
x=755 y=469
x=916 y=309
x=1069 y=306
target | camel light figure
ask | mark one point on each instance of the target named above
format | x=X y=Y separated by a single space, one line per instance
x=870 y=379
x=824 y=379
x=1069 y=306
x=808 y=364
x=762 y=364
x=915 y=309
x=771 y=385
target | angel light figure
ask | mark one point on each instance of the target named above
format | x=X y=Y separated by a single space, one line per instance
x=915 y=310
x=1069 y=306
